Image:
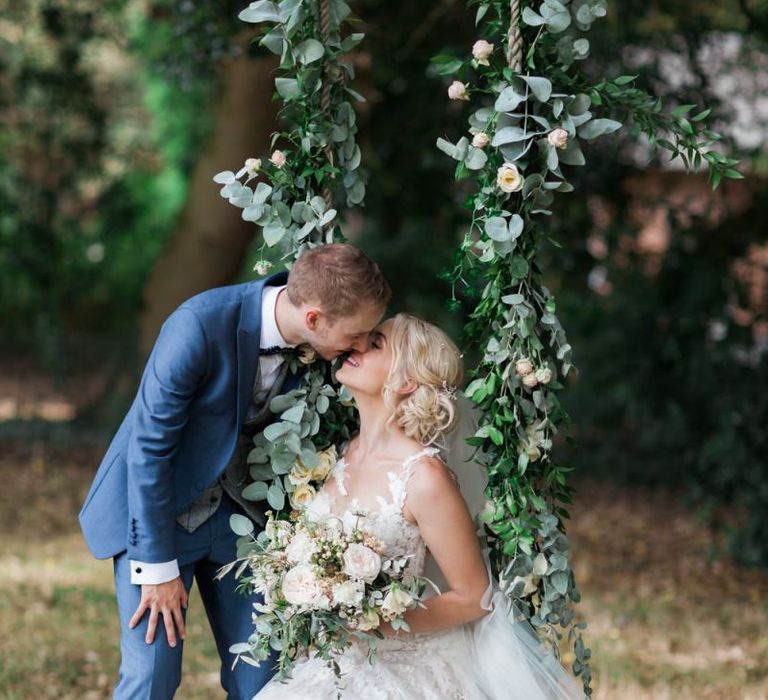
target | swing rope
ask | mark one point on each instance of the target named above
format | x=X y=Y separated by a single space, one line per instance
x=325 y=99
x=515 y=38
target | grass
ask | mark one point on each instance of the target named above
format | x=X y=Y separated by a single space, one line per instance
x=665 y=620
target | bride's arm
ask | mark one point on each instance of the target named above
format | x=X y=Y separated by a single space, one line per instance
x=436 y=504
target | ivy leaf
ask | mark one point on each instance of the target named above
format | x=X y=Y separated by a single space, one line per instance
x=261 y=11
x=240 y=524
x=309 y=51
x=598 y=127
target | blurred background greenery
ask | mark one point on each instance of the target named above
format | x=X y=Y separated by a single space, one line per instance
x=114 y=115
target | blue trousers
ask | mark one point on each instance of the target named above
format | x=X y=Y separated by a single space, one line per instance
x=153 y=671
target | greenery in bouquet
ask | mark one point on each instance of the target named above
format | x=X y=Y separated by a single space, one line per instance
x=325 y=587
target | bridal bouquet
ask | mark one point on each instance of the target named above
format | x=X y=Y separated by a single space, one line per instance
x=323 y=587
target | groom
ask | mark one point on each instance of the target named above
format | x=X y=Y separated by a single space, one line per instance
x=162 y=498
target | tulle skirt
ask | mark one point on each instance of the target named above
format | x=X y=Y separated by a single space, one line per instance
x=496 y=658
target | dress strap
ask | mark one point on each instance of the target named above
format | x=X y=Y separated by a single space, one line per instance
x=399 y=482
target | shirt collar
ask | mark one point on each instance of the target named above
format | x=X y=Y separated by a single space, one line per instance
x=270 y=333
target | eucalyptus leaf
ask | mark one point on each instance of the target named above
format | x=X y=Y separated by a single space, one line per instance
x=287 y=88
x=261 y=11
x=257 y=491
x=240 y=525
x=276 y=496
x=599 y=127
x=540 y=87
x=508 y=100
x=309 y=51
x=476 y=159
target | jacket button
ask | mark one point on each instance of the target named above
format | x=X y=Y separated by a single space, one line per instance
x=138 y=569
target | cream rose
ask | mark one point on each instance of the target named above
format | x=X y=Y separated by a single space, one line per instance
x=523 y=367
x=307 y=354
x=301 y=586
x=303 y=494
x=299 y=474
x=508 y=178
x=458 y=91
x=558 y=138
x=361 y=562
x=481 y=51
x=300 y=549
x=395 y=603
x=262 y=267
x=530 y=380
x=277 y=159
x=544 y=375
x=369 y=620
x=325 y=462
x=480 y=140
x=348 y=593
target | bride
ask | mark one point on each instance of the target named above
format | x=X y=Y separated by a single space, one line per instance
x=464 y=643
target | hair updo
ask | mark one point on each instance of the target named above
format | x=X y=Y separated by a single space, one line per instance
x=425 y=355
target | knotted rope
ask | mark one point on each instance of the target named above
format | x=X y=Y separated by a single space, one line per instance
x=515 y=38
x=325 y=98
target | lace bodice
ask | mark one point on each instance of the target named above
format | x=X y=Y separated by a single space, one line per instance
x=386 y=521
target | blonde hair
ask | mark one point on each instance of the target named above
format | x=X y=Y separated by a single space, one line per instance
x=425 y=355
x=340 y=278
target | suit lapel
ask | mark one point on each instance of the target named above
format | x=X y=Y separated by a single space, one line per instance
x=248 y=337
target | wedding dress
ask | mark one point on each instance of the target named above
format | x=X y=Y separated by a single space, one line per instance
x=495 y=658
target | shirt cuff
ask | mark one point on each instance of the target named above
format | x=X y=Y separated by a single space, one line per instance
x=152 y=574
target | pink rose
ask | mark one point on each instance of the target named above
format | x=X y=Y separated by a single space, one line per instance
x=530 y=380
x=481 y=51
x=481 y=140
x=558 y=138
x=301 y=586
x=277 y=159
x=458 y=91
x=361 y=562
x=523 y=367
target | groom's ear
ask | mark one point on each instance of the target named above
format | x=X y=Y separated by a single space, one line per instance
x=312 y=319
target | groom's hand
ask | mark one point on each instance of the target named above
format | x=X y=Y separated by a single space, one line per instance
x=164 y=599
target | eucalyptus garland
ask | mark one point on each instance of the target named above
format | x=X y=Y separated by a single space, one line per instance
x=532 y=107
x=290 y=196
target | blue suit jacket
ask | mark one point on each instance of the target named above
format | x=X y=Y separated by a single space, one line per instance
x=182 y=427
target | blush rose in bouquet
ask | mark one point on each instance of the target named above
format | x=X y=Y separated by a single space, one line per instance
x=325 y=587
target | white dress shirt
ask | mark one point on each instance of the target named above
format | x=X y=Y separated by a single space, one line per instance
x=269 y=366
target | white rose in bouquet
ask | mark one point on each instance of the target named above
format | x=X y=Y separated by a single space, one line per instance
x=348 y=593
x=395 y=603
x=300 y=549
x=299 y=474
x=301 y=587
x=361 y=562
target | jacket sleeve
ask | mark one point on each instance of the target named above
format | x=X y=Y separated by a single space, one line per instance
x=174 y=372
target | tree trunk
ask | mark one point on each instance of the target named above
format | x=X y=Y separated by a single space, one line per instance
x=209 y=242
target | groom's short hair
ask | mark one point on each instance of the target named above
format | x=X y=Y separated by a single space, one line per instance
x=339 y=278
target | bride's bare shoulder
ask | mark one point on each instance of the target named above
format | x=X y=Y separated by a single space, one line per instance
x=431 y=478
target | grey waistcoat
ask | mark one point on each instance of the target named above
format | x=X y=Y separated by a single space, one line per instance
x=236 y=474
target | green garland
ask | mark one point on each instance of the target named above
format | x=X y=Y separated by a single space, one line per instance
x=292 y=203
x=532 y=107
